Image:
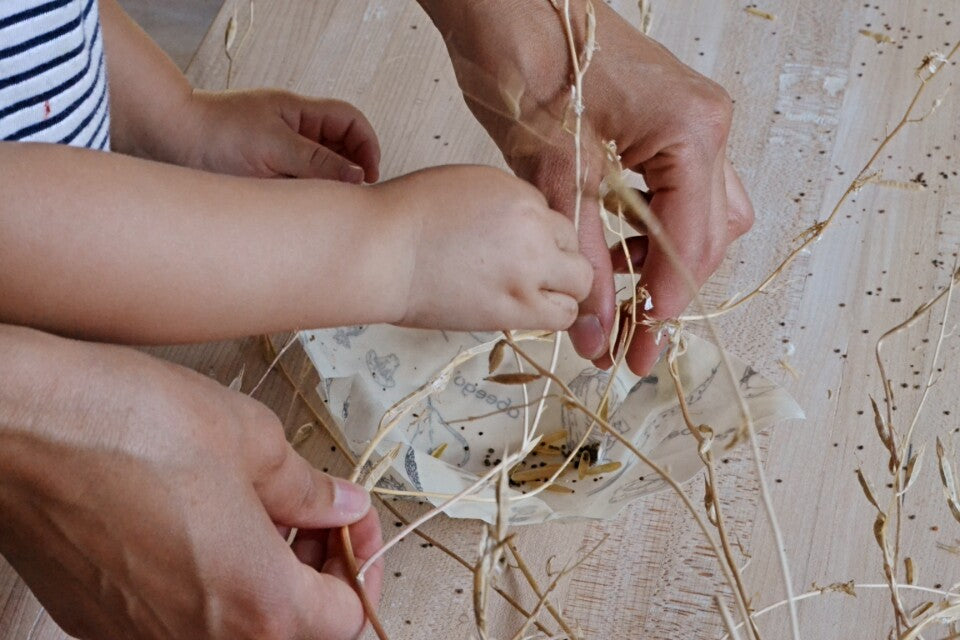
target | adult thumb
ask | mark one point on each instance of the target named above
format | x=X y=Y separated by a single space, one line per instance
x=590 y=332
x=297 y=495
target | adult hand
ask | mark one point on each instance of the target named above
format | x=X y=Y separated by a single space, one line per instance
x=667 y=122
x=142 y=500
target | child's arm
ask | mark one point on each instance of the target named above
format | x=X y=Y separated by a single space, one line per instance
x=111 y=247
x=155 y=114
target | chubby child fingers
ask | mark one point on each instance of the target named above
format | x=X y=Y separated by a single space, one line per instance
x=300 y=157
x=554 y=311
x=567 y=273
x=343 y=128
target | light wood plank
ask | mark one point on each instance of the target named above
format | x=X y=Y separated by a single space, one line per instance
x=813 y=99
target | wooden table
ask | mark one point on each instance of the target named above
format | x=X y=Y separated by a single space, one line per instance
x=813 y=97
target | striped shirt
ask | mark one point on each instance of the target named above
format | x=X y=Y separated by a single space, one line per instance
x=53 y=84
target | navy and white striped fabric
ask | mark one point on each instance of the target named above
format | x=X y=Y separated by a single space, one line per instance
x=53 y=83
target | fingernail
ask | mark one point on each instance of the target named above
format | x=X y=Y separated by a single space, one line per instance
x=587 y=336
x=351 y=173
x=350 y=499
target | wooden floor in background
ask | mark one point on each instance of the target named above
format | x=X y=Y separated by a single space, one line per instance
x=178 y=26
x=814 y=96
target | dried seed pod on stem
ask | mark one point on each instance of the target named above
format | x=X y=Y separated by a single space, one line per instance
x=322 y=420
x=865 y=176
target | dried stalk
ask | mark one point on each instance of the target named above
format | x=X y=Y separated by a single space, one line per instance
x=864 y=177
x=230 y=37
x=535 y=586
x=345 y=452
x=727 y=618
x=898 y=447
x=816 y=592
x=746 y=430
x=276 y=359
x=660 y=471
x=704 y=438
x=553 y=585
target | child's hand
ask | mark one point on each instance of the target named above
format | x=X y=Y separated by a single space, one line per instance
x=486 y=252
x=271 y=134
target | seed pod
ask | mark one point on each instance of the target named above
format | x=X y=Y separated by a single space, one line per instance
x=867 y=489
x=513 y=378
x=231 y=33
x=606 y=467
x=540 y=473
x=760 y=14
x=496 y=356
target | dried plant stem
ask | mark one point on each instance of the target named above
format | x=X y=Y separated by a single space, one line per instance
x=640 y=208
x=660 y=471
x=945 y=613
x=814 y=593
x=931 y=381
x=704 y=447
x=228 y=49
x=579 y=69
x=553 y=585
x=481 y=416
x=864 y=177
x=369 y=609
x=727 y=618
x=357 y=582
x=898 y=448
x=532 y=581
x=508 y=461
x=345 y=452
x=921 y=311
x=273 y=363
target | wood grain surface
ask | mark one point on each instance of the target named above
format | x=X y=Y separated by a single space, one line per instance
x=814 y=97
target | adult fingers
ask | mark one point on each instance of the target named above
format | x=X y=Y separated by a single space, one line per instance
x=365 y=539
x=590 y=332
x=741 y=213
x=310 y=546
x=635 y=256
x=691 y=204
x=326 y=606
x=330 y=608
x=297 y=495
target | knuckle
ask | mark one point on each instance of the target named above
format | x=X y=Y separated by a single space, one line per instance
x=313 y=493
x=742 y=219
x=710 y=109
x=258 y=416
x=271 y=450
x=564 y=313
